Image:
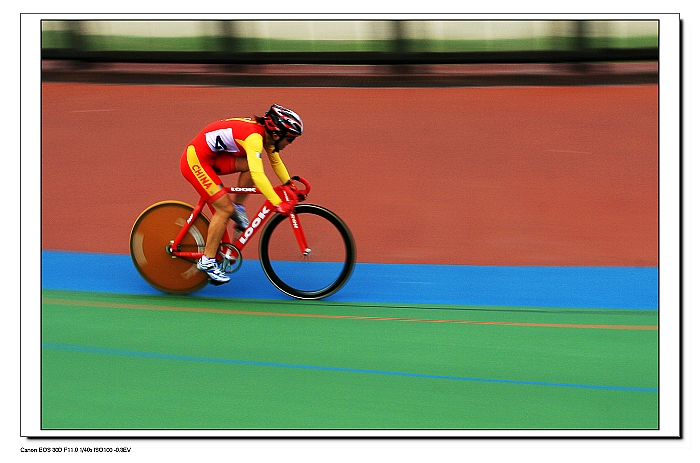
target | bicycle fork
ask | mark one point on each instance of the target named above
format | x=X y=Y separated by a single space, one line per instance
x=299 y=234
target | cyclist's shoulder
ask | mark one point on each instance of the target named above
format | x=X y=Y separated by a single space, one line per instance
x=242 y=126
x=235 y=122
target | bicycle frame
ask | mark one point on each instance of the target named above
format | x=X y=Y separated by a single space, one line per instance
x=300 y=274
x=266 y=211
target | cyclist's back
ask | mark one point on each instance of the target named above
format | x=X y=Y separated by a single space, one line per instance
x=228 y=136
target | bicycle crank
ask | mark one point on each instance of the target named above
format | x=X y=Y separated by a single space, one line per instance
x=231 y=258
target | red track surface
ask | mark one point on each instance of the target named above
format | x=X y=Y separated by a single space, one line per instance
x=477 y=176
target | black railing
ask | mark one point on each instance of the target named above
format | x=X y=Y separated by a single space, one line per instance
x=360 y=58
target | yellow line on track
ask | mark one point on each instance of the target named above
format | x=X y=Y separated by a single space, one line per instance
x=113 y=305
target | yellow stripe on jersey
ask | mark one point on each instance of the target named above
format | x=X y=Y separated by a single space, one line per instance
x=196 y=167
x=242 y=119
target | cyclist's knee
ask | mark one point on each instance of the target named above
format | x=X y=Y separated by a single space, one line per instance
x=228 y=210
x=223 y=206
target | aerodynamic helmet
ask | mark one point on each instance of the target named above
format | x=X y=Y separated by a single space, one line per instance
x=283 y=121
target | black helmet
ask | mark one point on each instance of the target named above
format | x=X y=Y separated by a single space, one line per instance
x=283 y=121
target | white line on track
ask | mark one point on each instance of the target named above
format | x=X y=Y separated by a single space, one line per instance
x=92 y=110
x=570 y=151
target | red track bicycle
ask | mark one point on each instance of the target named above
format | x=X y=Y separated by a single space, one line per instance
x=310 y=258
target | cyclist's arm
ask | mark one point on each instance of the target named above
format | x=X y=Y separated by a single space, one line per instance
x=278 y=166
x=253 y=146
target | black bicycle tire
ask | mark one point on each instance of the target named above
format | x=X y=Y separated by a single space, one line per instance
x=343 y=276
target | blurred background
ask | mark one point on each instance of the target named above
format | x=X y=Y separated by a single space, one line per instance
x=402 y=39
x=430 y=47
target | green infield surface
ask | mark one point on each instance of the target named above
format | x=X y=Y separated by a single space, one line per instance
x=127 y=362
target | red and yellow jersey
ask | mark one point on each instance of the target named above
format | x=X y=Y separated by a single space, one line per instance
x=241 y=137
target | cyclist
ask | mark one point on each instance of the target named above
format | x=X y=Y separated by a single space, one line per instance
x=237 y=145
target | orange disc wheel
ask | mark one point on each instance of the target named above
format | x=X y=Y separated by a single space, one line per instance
x=150 y=239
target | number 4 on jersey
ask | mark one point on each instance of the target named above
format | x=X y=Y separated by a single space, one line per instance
x=219 y=145
x=221 y=140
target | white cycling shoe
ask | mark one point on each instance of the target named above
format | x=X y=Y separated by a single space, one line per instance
x=217 y=276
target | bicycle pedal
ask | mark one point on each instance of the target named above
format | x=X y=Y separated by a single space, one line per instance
x=217 y=283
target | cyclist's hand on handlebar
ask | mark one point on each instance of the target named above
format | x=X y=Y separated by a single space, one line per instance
x=294 y=189
x=285 y=207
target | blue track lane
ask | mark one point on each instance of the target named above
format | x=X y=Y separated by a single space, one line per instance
x=565 y=287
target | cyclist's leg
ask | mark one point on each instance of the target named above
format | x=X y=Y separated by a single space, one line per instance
x=223 y=208
x=201 y=173
x=240 y=164
x=245 y=180
x=228 y=164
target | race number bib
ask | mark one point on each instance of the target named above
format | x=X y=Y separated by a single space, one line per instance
x=222 y=140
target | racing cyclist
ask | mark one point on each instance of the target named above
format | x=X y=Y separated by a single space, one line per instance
x=237 y=145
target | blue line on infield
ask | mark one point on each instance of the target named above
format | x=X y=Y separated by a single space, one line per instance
x=556 y=287
x=188 y=358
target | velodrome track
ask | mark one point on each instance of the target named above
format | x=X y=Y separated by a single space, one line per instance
x=507 y=273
